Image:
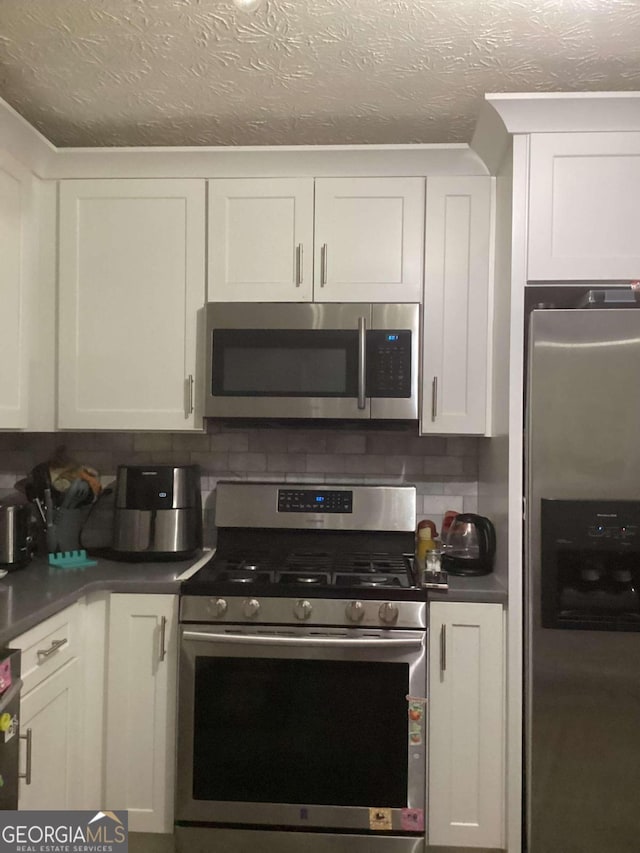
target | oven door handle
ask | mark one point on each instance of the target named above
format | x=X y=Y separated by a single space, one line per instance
x=319 y=642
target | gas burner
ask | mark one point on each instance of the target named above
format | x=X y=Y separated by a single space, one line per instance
x=238 y=560
x=244 y=576
x=375 y=563
x=371 y=581
x=312 y=561
x=305 y=578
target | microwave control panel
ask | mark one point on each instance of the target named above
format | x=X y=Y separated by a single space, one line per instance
x=388 y=363
x=307 y=500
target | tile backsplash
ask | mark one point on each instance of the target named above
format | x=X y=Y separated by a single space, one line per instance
x=444 y=470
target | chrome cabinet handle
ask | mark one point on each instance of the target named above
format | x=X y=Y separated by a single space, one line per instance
x=434 y=398
x=302 y=642
x=443 y=648
x=299 y=259
x=27 y=770
x=323 y=265
x=189 y=406
x=163 y=637
x=55 y=646
x=362 y=361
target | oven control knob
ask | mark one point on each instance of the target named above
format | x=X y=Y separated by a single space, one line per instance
x=388 y=612
x=302 y=610
x=218 y=607
x=250 y=607
x=355 y=611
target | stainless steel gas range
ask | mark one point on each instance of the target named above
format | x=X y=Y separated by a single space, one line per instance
x=302 y=693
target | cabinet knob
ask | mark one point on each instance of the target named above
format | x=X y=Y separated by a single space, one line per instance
x=299 y=259
x=188 y=409
x=28 y=737
x=323 y=265
x=434 y=398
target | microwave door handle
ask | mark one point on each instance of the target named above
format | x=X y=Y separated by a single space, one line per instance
x=362 y=361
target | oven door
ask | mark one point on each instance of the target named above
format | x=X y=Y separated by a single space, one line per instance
x=287 y=360
x=302 y=728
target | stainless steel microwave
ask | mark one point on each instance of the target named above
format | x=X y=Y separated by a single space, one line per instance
x=301 y=360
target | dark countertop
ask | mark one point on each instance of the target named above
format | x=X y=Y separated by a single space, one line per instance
x=31 y=594
x=487 y=589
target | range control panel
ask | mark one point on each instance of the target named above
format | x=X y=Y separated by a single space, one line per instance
x=316 y=500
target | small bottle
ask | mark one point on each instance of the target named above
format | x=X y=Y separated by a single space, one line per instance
x=433 y=563
x=425 y=544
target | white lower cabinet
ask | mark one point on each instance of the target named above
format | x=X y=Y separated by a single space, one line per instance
x=50 y=718
x=51 y=713
x=141 y=699
x=466 y=725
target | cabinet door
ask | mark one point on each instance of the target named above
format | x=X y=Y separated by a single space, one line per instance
x=466 y=725
x=456 y=305
x=50 y=715
x=583 y=207
x=14 y=201
x=369 y=239
x=261 y=240
x=141 y=698
x=131 y=284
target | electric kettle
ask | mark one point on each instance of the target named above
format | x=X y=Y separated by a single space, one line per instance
x=470 y=545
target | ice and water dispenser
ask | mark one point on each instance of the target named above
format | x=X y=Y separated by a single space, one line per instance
x=590 y=565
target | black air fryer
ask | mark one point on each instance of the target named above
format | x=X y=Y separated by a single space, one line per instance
x=158 y=512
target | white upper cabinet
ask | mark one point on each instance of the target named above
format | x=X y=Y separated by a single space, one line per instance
x=360 y=240
x=369 y=239
x=583 y=207
x=14 y=201
x=131 y=282
x=456 y=305
x=261 y=240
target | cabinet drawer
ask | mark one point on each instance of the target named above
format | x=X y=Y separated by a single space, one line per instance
x=48 y=646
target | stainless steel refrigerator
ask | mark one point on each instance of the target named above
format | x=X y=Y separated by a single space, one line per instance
x=582 y=584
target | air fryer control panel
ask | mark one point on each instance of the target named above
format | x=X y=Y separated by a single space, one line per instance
x=388 y=363
x=150 y=488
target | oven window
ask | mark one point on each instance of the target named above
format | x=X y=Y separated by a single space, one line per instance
x=301 y=731
x=284 y=363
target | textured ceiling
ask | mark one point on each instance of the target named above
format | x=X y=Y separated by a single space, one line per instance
x=200 y=72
